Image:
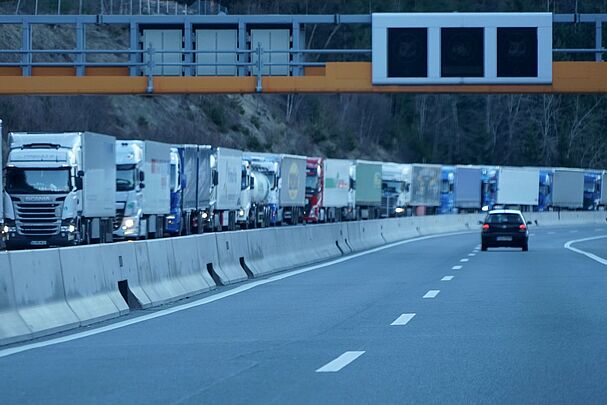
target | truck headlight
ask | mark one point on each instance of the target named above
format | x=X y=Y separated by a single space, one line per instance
x=71 y=228
x=205 y=215
x=5 y=229
x=128 y=223
x=399 y=210
x=241 y=213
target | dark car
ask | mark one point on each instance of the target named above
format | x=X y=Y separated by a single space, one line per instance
x=505 y=228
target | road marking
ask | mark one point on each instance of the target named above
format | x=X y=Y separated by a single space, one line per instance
x=431 y=294
x=340 y=362
x=402 y=320
x=569 y=245
x=464 y=260
x=215 y=297
x=471 y=254
x=447 y=278
x=456 y=267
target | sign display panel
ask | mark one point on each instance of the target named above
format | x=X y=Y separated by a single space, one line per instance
x=462 y=48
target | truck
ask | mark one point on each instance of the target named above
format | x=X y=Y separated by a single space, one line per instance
x=512 y=187
x=423 y=191
x=60 y=189
x=394 y=189
x=467 y=189
x=265 y=169
x=225 y=175
x=561 y=189
x=366 y=190
x=142 y=189
x=327 y=189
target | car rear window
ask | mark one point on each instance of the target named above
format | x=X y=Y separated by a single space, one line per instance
x=504 y=219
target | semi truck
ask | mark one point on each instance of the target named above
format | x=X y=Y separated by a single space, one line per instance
x=225 y=176
x=512 y=187
x=423 y=192
x=561 y=189
x=60 y=189
x=246 y=213
x=394 y=186
x=366 y=190
x=264 y=194
x=142 y=189
x=327 y=188
x=447 y=190
x=174 y=223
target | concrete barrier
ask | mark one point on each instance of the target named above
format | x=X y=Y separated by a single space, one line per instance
x=263 y=246
x=120 y=264
x=158 y=276
x=189 y=267
x=208 y=258
x=39 y=292
x=12 y=327
x=231 y=246
x=326 y=242
x=88 y=288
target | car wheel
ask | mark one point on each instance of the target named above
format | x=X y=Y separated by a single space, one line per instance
x=526 y=247
x=483 y=247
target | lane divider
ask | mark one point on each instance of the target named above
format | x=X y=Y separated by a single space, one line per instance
x=457 y=267
x=447 y=278
x=464 y=260
x=340 y=362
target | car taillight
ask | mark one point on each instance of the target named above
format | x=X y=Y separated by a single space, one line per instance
x=485 y=227
x=522 y=227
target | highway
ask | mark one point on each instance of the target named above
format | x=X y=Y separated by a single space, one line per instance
x=428 y=321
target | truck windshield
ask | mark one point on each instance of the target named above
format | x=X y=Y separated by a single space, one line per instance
x=312 y=184
x=125 y=177
x=38 y=181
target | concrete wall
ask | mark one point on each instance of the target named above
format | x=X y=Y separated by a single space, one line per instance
x=53 y=290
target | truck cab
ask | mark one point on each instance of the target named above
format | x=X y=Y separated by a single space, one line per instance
x=395 y=186
x=247 y=185
x=592 y=190
x=545 y=196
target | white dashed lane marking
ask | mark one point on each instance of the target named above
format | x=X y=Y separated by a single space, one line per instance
x=402 y=320
x=456 y=267
x=431 y=294
x=464 y=260
x=447 y=278
x=340 y=362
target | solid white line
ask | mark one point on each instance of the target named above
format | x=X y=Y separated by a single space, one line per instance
x=213 y=298
x=456 y=267
x=431 y=294
x=402 y=320
x=340 y=362
x=569 y=245
x=447 y=278
x=464 y=260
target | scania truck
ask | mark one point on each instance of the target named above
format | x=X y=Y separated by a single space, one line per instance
x=60 y=189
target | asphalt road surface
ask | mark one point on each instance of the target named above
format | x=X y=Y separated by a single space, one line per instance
x=430 y=321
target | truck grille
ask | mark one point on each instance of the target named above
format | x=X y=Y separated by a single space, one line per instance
x=38 y=219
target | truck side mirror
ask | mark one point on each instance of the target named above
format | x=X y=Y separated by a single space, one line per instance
x=184 y=181
x=215 y=178
x=80 y=173
x=141 y=176
x=78 y=182
x=141 y=186
x=252 y=183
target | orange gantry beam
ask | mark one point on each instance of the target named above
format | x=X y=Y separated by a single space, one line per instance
x=336 y=77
